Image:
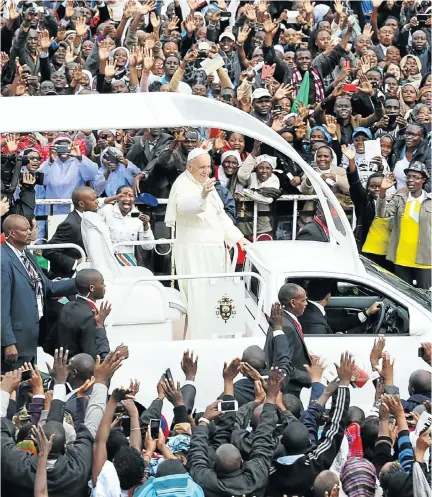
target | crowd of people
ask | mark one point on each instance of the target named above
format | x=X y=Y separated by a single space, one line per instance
x=63 y=435
x=347 y=84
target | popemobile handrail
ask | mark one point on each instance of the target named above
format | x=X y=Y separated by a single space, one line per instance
x=59 y=246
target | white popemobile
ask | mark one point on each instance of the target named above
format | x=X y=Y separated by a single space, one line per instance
x=149 y=317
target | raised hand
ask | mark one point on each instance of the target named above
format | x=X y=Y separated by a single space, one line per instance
x=243 y=34
x=315 y=370
x=275 y=318
x=75 y=150
x=208 y=187
x=104 y=371
x=260 y=395
x=274 y=384
x=147 y=7
x=101 y=314
x=155 y=21
x=44 y=445
x=69 y=57
x=368 y=31
x=427 y=352
x=388 y=181
x=173 y=393
x=150 y=42
x=10 y=381
x=12 y=143
x=81 y=27
x=346 y=368
x=394 y=405
x=269 y=26
x=338 y=7
x=191 y=56
x=104 y=50
x=110 y=68
x=193 y=5
x=45 y=40
x=250 y=12
x=250 y=372
x=331 y=125
x=70 y=11
x=263 y=6
x=231 y=370
x=60 y=370
x=85 y=387
x=172 y=24
x=77 y=74
x=13 y=13
x=4 y=206
x=348 y=152
x=211 y=411
x=148 y=59
x=189 y=365
x=377 y=351
x=190 y=24
x=220 y=141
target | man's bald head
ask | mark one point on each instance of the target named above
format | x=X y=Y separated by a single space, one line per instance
x=81 y=368
x=255 y=357
x=17 y=231
x=324 y=482
x=84 y=199
x=90 y=282
x=420 y=383
x=227 y=459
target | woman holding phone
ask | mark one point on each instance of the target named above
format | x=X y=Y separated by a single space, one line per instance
x=126 y=224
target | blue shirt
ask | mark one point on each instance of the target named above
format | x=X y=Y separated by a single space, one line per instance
x=62 y=177
x=121 y=176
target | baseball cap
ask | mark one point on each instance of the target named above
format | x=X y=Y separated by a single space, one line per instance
x=227 y=34
x=365 y=131
x=260 y=93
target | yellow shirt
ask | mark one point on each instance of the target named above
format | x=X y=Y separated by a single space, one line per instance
x=409 y=236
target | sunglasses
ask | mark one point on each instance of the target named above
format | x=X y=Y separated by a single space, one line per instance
x=34 y=158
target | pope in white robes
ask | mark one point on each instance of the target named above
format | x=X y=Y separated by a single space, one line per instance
x=203 y=232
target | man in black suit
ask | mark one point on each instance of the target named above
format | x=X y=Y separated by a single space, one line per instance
x=23 y=296
x=315 y=320
x=292 y=298
x=63 y=262
x=81 y=326
x=316 y=230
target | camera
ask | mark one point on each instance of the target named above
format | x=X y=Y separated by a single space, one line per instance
x=38 y=176
x=62 y=149
x=202 y=54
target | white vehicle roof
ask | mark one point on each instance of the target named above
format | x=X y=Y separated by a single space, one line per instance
x=160 y=110
x=297 y=255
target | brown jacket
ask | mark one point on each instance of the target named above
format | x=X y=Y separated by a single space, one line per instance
x=395 y=209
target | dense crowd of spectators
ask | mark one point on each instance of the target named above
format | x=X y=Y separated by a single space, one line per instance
x=61 y=436
x=347 y=84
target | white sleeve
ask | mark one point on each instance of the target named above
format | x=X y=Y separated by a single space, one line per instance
x=4 y=402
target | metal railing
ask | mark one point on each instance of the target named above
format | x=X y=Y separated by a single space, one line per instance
x=171 y=241
x=48 y=246
x=162 y=201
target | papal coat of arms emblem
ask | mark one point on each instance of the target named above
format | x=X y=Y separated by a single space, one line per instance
x=225 y=308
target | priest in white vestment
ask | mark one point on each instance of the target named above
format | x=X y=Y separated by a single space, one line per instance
x=203 y=232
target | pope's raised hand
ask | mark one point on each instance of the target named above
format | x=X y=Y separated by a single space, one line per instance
x=208 y=187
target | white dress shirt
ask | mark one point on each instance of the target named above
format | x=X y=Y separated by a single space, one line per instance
x=125 y=228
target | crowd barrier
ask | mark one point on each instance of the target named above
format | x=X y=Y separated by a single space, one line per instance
x=163 y=201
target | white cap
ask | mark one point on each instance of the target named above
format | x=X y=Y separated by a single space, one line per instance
x=260 y=93
x=266 y=158
x=227 y=34
x=196 y=152
x=279 y=48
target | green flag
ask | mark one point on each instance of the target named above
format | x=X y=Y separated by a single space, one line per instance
x=303 y=93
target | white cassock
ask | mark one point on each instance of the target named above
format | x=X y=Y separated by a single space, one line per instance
x=203 y=230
